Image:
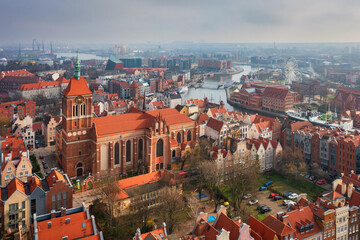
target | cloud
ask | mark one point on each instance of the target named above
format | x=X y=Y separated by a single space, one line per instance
x=126 y=21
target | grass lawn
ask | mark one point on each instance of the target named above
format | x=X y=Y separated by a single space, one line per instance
x=255 y=213
x=300 y=185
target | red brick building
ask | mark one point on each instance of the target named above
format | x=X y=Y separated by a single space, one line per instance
x=346 y=99
x=215 y=64
x=21 y=108
x=60 y=192
x=120 y=143
x=278 y=99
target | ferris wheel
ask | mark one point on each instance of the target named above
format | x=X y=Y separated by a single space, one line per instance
x=292 y=73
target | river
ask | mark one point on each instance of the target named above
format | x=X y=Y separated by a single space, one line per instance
x=211 y=91
x=82 y=56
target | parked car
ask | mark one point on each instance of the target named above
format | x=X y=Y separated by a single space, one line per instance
x=253 y=202
x=44 y=165
x=272 y=195
x=302 y=174
x=321 y=181
x=287 y=202
x=312 y=178
x=287 y=194
x=262 y=188
x=293 y=196
x=268 y=183
x=276 y=198
x=247 y=196
x=41 y=156
x=264 y=209
x=261 y=206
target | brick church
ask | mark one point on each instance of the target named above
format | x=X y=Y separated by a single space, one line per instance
x=117 y=144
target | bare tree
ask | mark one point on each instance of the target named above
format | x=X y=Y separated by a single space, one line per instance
x=293 y=162
x=241 y=180
x=170 y=207
x=108 y=190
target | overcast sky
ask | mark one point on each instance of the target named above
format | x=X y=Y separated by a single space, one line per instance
x=121 y=21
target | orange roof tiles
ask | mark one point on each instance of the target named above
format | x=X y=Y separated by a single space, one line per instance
x=41 y=85
x=74 y=229
x=215 y=124
x=34 y=182
x=13 y=144
x=300 y=216
x=77 y=87
x=155 y=233
x=202 y=118
x=333 y=195
x=261 y=229
x=14 y=185
x=278 y=226
x=17 y=73
x=224 y=222
x=53 y=177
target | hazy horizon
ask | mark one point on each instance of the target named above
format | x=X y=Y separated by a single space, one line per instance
x=209 y=21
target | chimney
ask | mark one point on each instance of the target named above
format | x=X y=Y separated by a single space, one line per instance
x=49 y=224
x=63 y=211
x=343 y=188
x=138 y=235
x=350 y=189
x=279 y=215
x=165 y=231
x=285 y=219
x=53 y=214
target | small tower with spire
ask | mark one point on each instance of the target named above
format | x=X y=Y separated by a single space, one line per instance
x=77 y=67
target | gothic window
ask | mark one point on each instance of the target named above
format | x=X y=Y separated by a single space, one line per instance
x=160 y=148
x=117 y=154
x=128 y=151
x=140 y=149
x=75 y=110
x=82 y=109
x=189 y=135
x=178 y=137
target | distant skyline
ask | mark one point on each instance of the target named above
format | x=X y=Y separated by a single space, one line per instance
x=134 y=21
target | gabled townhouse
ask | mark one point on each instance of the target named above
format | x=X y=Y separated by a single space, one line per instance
x=272 y=124
x=242 y=152
x=218 y=226
x=224 y=161
x=283 y=231
x=262 y=129
x=156 y=234
x=24 y=127
x=257 y=152
x=21 y=200
x=20 y=168
x=216 y=130
x=260 y=231
x=48 y=128
x=201 y=121
x=303 y=222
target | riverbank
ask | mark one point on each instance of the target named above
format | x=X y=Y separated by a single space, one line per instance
x=260 y=111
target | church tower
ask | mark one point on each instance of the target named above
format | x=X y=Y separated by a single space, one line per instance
x=75 y=155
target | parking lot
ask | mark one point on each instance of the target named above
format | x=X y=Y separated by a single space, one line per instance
x=49 y=158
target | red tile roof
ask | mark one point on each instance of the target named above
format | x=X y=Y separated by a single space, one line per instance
x=215 y=124
x=224 y=222
x=333 y=195
x=278 y=226
x=77 y=87
x=21 y=72
x=202 y=118
x=155 y=234
x=13 y=144
x=276 y=92
x=37 y=126
x=53 y=177
x=15 y=184
x=74 y=229
x=41 y=85
x=261 y=229
x=301 y=217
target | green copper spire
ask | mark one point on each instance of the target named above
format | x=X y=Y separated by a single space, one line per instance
x=77 y=67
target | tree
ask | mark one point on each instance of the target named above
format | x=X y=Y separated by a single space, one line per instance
x=293 y=162
x=210 y=178
x=4 y=125
x=170 y=207
x=108 y=190
x=318 y=172
x=241 y=180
